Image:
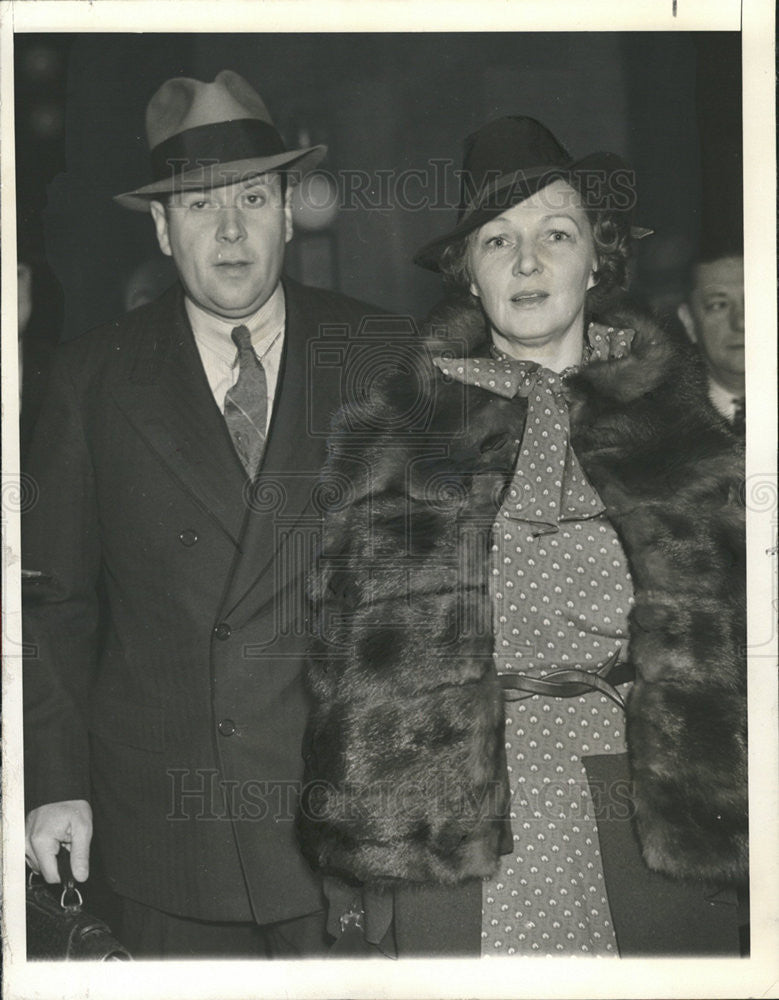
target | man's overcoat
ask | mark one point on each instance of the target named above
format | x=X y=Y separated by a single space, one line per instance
x=167 y=634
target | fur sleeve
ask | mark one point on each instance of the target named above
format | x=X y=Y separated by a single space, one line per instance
x=405 y=770
x=671 y=477
x=687 y=722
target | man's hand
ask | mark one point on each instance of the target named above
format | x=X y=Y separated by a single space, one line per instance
x=55 y=824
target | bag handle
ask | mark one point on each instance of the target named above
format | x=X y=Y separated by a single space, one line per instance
x=71 y=899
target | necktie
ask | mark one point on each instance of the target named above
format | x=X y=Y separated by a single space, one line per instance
x=738 y=422
x=246 y=404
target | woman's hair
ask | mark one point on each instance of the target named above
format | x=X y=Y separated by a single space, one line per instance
x=610 y=231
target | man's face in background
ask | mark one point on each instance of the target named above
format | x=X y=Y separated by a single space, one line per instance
x=714 y=318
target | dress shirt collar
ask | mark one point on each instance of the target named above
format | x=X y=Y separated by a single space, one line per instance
x=215 y=332
x=724 y=401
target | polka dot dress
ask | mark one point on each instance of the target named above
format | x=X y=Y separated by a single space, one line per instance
x=559 y=599
x=561 y=594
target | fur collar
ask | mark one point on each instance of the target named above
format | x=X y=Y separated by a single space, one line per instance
x=655 y=353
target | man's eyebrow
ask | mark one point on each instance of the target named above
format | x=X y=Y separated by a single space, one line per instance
x=260 y=180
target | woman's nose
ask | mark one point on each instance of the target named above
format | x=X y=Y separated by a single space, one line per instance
x=231 y=227
x=526 y=260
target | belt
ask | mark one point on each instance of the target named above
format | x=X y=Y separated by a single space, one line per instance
x=568 y=682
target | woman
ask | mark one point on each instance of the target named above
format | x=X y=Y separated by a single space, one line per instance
x=534 y=568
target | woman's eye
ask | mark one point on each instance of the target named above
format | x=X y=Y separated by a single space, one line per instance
x=559 y=236
x=254 y=200
x=497 y=242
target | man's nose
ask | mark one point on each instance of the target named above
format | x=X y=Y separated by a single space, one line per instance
x=231 y=227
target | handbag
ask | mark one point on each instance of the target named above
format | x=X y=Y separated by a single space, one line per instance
x=58 y=928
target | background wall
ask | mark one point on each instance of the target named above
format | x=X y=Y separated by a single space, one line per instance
x=385 y=104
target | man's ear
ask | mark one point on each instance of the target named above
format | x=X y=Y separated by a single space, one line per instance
x=289 y=227
x=684 y=314
x=160 y=217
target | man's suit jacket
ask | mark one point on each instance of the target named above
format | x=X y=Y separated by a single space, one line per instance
x=164 y=681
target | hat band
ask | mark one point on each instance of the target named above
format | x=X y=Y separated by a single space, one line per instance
x=207 y=145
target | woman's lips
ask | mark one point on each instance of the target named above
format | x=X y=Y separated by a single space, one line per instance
x=529 y=298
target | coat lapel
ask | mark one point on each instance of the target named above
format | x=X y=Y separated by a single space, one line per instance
x=295 y=453
x=167 y=397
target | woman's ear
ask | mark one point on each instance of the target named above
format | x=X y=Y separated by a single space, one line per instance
x=592 y=281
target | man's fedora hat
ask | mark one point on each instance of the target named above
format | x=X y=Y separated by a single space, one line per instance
x=204 y=135
x=510 y=159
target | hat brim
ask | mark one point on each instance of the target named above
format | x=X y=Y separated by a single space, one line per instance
x=511 y=190
x=217 y=175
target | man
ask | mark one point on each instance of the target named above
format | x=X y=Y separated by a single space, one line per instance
x=176 y=461
x=713 y=317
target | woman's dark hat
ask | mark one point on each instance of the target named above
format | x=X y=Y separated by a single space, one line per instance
x=204 y=135
x=510 y=159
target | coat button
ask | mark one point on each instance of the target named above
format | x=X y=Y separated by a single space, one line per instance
x=226 y=727
x=188 y=537
x=222 y=631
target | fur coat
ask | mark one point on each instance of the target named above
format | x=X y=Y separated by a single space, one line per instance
x=405 y=768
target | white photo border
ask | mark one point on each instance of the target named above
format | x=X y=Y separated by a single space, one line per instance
x=566 y=977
